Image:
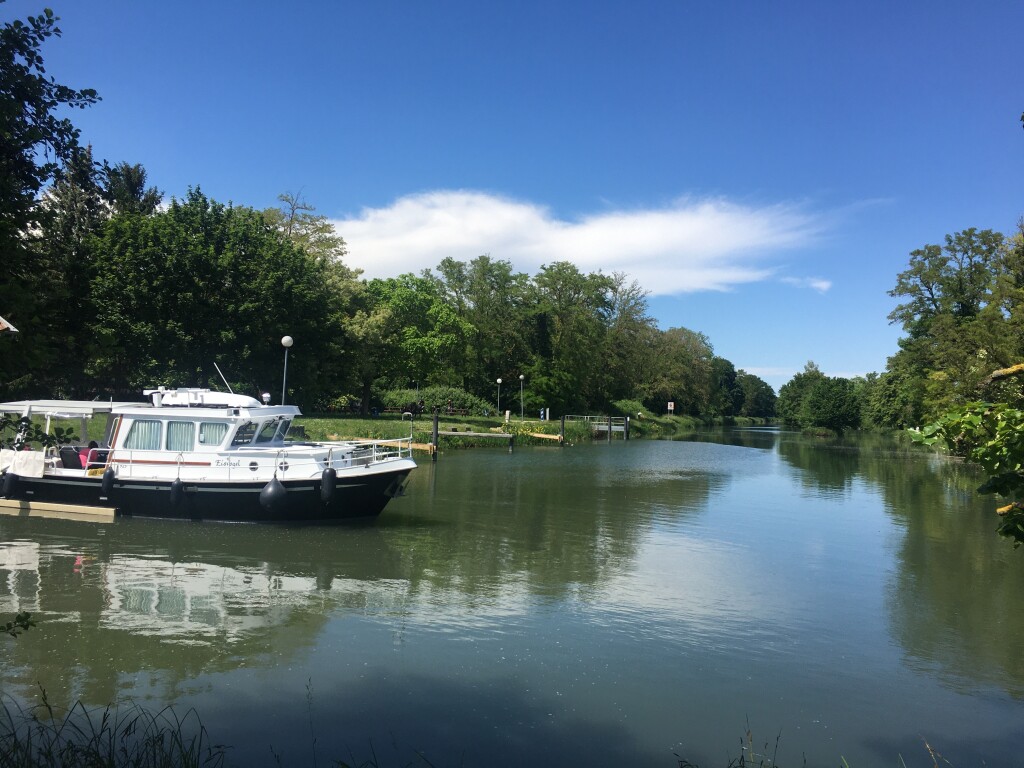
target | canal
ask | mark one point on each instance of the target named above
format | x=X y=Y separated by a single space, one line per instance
x=600 y=605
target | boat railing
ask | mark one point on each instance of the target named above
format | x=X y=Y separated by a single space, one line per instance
x=367 y=452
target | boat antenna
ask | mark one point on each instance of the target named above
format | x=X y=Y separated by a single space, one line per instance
x=222 y=378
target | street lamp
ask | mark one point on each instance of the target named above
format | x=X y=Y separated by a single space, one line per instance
x=286 y=342
x=499 y=398
x=521 y=378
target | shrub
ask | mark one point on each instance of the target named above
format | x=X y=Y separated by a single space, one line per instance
x=436 y=397
x=631 y=408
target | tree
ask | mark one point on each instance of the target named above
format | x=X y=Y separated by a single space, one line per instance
x=896 y=399
x=315 y=234
x=793 y=393
x=36 y=141
x=679 y=372
x=572 y=316
x=832 y=403
x=626 y=349
x=371 y=329
x=74 y=212
x=726 y=393
x=497 y=305
x=427 y=335
x=35 y=145
x=203 y=282
x=956 y=327
x=758 y=396
x=1008 y=295
x=954 y=279
x=126 y=190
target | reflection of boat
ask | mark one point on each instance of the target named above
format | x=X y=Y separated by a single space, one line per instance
x=197 y=454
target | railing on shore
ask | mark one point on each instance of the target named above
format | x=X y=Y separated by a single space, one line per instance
x=597 y=424
x=603 y=424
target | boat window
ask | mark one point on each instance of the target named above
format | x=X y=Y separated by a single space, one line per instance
x=212 y=433
x=283 y=429
x=267 y=432
x=244 y=434
x=181 y=435
x=144 y=435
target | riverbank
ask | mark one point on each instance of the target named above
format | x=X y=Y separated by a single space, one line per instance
x=476 y=431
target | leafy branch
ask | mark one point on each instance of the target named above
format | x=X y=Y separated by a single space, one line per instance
x=21 y=623
x=26 y=431
x=990 y=435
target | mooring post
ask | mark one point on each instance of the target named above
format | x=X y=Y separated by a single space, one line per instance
x=609 y=429
x=511 y=440
x=562 y=433
x=625 y=430
x=433 y=454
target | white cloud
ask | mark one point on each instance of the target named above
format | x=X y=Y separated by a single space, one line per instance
x=690 y=245
x=817 y=283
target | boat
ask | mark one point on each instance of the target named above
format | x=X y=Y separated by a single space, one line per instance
x=198 y=454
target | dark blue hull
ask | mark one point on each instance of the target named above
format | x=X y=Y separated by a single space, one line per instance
x=302 y=501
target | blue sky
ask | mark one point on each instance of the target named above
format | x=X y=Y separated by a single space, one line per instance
x=762 y=168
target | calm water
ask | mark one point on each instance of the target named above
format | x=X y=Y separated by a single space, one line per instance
x=606 y=605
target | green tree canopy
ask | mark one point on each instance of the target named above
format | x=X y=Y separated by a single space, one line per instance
x=36 y=143
x=496 y=306
x=792 y=394
x=572 y=317
x=831 y=402
x=126 y=190
x=958 y=303
x=758 y=396
x=201 y=283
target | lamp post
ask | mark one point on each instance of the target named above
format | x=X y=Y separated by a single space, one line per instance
x=286 y=342
x=499 y=398
x=521 y=379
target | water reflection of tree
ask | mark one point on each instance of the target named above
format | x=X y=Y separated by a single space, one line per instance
x=764 y=438
x=544 y=527
x=956 y=601
x=827 y=465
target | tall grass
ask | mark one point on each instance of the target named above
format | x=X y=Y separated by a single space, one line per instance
x=768 y=756
x=129 y=736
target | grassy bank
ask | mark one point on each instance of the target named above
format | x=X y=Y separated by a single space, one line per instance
x=387 y=426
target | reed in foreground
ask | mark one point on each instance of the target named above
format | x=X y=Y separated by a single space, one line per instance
x=751 y=758
x=129 y=736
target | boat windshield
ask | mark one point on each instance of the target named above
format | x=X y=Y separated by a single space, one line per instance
x=267 y=432
x=282 y=430
x=245 y=434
